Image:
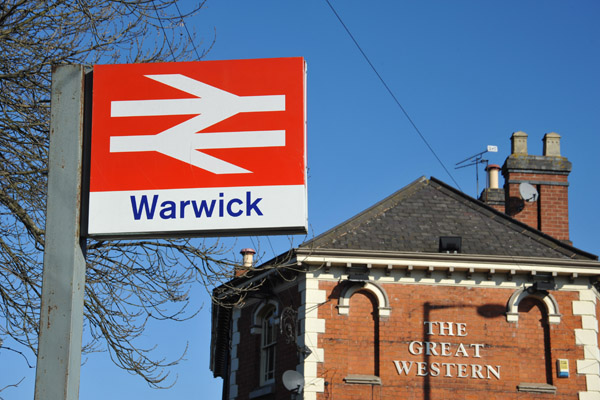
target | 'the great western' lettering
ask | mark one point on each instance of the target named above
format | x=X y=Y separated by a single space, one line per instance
x=144 y=207
x=434 y=366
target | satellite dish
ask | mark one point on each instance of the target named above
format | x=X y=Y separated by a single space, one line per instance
x=528 y=192
x=293 y=381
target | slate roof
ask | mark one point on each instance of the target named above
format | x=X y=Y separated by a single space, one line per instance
x=413 y=219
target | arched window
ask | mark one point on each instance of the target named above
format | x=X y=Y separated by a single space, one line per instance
x=265 y=324
x=365 y=305
x=363 y=319
x=534 y=311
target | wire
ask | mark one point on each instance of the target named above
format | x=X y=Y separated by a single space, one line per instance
x=393 y=96
x=163 y=30
x=408 y=117
x=188 y=32
x=271 y=245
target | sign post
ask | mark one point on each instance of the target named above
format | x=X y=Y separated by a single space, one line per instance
x=63 y=282
x=177 y=149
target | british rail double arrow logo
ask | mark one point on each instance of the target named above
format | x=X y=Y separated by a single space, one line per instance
x=210 y=106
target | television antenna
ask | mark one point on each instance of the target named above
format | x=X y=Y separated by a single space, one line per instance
x=476 y=160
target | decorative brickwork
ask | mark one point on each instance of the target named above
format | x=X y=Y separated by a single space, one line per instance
x=312 y=298
x=587 y=338
x=234 y=363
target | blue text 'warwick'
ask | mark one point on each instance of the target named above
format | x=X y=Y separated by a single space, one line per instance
x=200 y=208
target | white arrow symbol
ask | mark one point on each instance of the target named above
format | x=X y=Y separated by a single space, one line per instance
x=183 y=140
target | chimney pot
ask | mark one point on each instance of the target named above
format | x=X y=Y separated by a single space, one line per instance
x=551 y=144
x=519 y=143
x=492 y=170
x=248 y=259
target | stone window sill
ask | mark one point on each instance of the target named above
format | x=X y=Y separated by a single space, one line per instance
x=536 y=388
x=363 y=379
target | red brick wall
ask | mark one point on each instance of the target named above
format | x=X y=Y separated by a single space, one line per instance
x=517 y=348
x=516 y=207
x=550 y=213
x=554 y=202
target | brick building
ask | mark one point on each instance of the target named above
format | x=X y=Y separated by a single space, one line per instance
x=428 y=294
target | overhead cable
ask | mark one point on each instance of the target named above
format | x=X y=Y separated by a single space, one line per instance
x=392 y=94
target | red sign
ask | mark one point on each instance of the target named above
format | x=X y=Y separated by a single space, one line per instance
x=194 y=125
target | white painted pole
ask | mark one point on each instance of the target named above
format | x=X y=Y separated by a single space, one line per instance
x=63 y=284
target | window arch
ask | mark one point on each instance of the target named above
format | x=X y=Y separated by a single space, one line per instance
x=383 y=303
x=549 y=302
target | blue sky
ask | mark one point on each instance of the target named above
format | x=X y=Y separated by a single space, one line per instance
x=469 y=73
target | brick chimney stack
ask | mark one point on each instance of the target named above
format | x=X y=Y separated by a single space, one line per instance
x=493 y=195
x=549 y=175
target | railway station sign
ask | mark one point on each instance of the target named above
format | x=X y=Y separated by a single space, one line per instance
x=198 y=148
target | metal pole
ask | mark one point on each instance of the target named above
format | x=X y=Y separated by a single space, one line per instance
x=63 y=283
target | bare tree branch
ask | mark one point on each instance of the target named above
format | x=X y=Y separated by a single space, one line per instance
x=128 y=282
